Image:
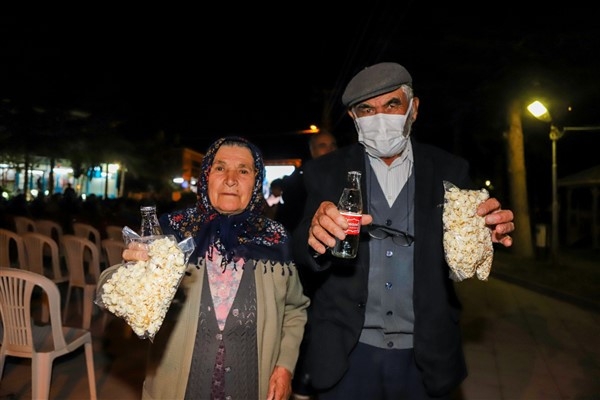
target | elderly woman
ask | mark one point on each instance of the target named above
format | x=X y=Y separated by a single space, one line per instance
x=235 y=327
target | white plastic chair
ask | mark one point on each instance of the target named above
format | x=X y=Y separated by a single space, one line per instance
x=89 y=232
x=12 y=249
x=43 y=258
x=114 y=232
x=42 y=344
x=49 y=228
x=24 y=224
x=113 y=251
x=83 y=262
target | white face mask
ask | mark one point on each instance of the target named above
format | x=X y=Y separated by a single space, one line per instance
x=384 y=135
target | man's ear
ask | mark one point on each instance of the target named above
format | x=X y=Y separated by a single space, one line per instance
x=415 y=108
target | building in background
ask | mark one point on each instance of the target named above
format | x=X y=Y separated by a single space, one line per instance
x=43 y=175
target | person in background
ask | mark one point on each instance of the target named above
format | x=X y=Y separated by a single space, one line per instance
x=69 y=193
x=321 y=143
x=385 y=325
x=294 y=194
x=274 y=199
x=235 y=328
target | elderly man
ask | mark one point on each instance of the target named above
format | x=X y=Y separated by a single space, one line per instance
x=385 y=324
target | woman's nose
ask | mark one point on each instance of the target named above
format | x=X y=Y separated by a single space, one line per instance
x=231 y=178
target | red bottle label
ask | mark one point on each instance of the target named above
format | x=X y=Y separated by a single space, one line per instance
x=353 y=223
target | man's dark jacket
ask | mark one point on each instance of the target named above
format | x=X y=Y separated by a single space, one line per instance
x=337 y=312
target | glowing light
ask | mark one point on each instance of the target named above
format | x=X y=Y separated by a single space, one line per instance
x=538 y=110
x=62 y=170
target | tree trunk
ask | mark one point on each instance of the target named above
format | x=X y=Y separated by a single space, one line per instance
x=522 y=236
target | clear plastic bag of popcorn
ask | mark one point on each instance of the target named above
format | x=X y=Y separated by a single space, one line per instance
x=467 y=240
x=141 y=292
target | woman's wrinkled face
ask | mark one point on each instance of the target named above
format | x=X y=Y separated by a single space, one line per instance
x=231 y=179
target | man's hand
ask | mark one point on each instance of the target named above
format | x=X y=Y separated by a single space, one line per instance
x=498 y=220
x=280 y=384
x=327 y=224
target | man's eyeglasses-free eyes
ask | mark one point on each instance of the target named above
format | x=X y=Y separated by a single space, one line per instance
x=381 y=232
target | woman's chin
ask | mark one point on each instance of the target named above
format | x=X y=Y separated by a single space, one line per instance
x=228 y=211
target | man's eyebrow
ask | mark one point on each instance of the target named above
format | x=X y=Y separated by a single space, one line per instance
x=390 y=101
x=393 y=100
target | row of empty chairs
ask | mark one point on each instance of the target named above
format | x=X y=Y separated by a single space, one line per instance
x=40 y=257
x=76 y=259
x=13 y=251
x=82 y=262
x=54 y=229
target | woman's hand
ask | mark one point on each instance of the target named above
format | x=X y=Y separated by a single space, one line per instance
x=280 y=384
x=135 y=251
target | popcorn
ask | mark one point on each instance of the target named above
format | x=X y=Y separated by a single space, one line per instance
x=467 y=241
x=142 y=292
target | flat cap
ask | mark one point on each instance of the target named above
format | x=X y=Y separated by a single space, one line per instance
x=374 y=81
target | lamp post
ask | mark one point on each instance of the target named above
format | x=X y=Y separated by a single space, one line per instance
x=539 y=111
x=555 y=134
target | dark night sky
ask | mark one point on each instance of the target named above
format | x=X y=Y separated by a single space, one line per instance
x=266 y=72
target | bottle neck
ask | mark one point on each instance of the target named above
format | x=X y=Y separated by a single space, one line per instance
x=149 y=225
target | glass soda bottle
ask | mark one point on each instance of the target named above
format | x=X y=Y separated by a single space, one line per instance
x=149 y=225
x=350 y=205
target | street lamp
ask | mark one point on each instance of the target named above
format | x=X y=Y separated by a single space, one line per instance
x=539 y=111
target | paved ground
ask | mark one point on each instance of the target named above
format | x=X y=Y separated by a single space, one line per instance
x=574 y=277
x=521 y=344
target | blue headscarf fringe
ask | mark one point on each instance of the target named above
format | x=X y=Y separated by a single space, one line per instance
x=287 y=266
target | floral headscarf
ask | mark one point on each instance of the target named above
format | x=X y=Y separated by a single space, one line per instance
x=247 y=235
